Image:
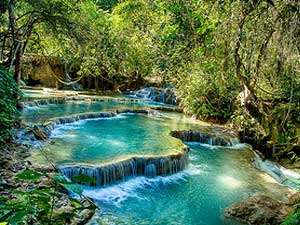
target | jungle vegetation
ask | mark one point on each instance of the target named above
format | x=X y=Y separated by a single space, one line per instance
x=231 y=61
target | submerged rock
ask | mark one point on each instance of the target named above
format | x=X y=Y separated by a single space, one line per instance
x=39 y=133
x=259 y=209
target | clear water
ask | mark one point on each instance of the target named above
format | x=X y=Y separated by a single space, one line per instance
x=107 y=139
x=39 y=114
x=215 y=179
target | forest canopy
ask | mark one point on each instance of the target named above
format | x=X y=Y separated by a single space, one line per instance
x=233 y=61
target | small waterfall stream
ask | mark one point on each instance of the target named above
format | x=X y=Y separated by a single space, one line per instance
x=279 y=173
x=136 y=166
x=205 y=138
x=156 y=94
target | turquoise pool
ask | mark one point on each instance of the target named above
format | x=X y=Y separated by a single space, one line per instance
x=102 y=140
x=39 y=114
x=215 y=179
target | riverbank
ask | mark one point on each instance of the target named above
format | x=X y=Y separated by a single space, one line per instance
x=34 y=194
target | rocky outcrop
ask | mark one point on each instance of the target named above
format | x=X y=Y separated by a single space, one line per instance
x=14 y=161
x=259 y=210
x=42 y=70
x=205 y=137
x=39 y=133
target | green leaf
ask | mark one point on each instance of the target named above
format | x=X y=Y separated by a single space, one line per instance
x=18 y=217
x=83 y=179
x=30 y=175
x=75 y=202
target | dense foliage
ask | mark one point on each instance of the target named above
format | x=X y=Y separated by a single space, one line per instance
x=32 y=205
x=233 y=61
x=9 y=93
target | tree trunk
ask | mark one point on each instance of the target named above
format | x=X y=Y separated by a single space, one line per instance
x=18 y=58
x=97 y=83
x=12 y=27
x=89 y=82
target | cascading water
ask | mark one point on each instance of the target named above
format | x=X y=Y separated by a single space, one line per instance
x=280 y=174
x=212 y=181
x=44 y=102
x=205 y=138
x=156 y=94
x=136 y=166
x=150 y=170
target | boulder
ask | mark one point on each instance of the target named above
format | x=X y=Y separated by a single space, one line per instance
x=259 y=209
x=294 y=199
x=39 y=133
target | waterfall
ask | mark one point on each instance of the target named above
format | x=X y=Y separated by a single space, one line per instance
x=280 y=174
x=63 y=100
x=136 y=166
x=156 y=94
x=150 y=170
x=270 y=168
x=43 y=102
x=50 y=124
x=205 y=138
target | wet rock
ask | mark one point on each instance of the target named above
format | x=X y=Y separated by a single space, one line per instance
x=83 y=217
x=39 y=133
x=294 y=199
x=45 y=169
x=23 y=155
x=260 y=209
x=63 y=210
x=4 y=161
x=19 y=166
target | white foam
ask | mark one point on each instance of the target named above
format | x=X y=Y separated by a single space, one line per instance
x=116 y=194
x=289 y=173
x=61 y=130
x=28 y=107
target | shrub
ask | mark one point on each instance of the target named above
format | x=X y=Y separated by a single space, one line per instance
x=9 y=94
